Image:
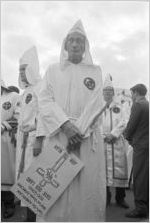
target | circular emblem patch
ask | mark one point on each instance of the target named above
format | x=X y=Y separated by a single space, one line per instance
x=89 y=83
x=28 y=98
x=7 y=105
x=116 y=109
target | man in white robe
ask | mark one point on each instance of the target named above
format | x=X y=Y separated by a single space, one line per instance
x=8 y=150
x=66 y=90
x=116 y=147
x=29 y=81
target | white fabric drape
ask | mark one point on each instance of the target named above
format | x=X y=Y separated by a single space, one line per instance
x=8 y=151
x=28 y=110
x=63 y=96
x=30 y=57
x=116 y=155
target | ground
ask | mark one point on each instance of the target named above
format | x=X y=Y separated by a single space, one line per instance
x=117 y=214
x=113 y=212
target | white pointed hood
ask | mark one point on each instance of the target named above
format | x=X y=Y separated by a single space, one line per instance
x=87 y=59
x=30 y=57
x=108 y=82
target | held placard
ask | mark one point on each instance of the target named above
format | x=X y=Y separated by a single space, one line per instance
x=47 y=178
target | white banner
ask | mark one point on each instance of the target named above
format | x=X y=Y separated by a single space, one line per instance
x=46 y=179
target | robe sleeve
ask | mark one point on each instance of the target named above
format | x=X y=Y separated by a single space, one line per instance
x=50 y=116
x=6 y=125
x=118 y=130
x=91 y=110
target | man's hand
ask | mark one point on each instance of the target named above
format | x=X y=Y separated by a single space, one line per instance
x=2 y=129
x=13 y=123
x=109 y=102
x=72 y=132
x=37 y=149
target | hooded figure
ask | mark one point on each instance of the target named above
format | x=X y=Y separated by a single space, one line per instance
x=29 y=80
x=87 y=59
x=8 y=150
x=116 y=147
x=65 y=93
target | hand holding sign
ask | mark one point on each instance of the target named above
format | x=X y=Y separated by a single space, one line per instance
x=46 y=179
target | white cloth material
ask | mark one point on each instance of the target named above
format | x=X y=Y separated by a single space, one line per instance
x=27 y=123
x=126 y=110
x=30 y=57
x=108 y=81
x=87 y=59
x=91 y=110
x=28 y=109
x=64 y=94
x=116 y=155
x=129 y=160
x=18 y=107
x=8 y=151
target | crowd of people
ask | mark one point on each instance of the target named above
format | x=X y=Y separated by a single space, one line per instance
x=70 y=97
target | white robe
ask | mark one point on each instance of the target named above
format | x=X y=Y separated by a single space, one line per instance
x=8 y=151
x=27 y=124
x=116 y=155
x=63 y=97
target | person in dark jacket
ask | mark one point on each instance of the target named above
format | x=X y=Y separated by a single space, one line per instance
x=137 y=133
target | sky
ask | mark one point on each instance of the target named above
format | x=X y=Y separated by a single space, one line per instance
x=118 y=33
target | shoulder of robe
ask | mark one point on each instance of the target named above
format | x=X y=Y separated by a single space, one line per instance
x=53 y=66
x=52 y=71
x=97 y=70
x=93 y=66
x=97 y=66
x=116 y=104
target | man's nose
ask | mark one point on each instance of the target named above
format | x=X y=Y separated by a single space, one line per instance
x=74 y=44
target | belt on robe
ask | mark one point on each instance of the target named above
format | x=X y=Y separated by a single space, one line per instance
x=22 y=161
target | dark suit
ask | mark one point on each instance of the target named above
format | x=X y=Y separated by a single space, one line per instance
x=137 y=133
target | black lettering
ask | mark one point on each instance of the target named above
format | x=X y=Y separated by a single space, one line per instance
x=46 y=195
x=30 y=181
x=58 y=149
x=38 y=188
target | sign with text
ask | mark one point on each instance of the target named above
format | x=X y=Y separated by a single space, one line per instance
x=47 y=178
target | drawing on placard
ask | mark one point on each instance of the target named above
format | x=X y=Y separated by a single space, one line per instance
x=50 y=174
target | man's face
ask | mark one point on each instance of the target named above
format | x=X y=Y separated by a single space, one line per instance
x=133 y=96
x=75 y=46
x=22 y=73
x=108 y=94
